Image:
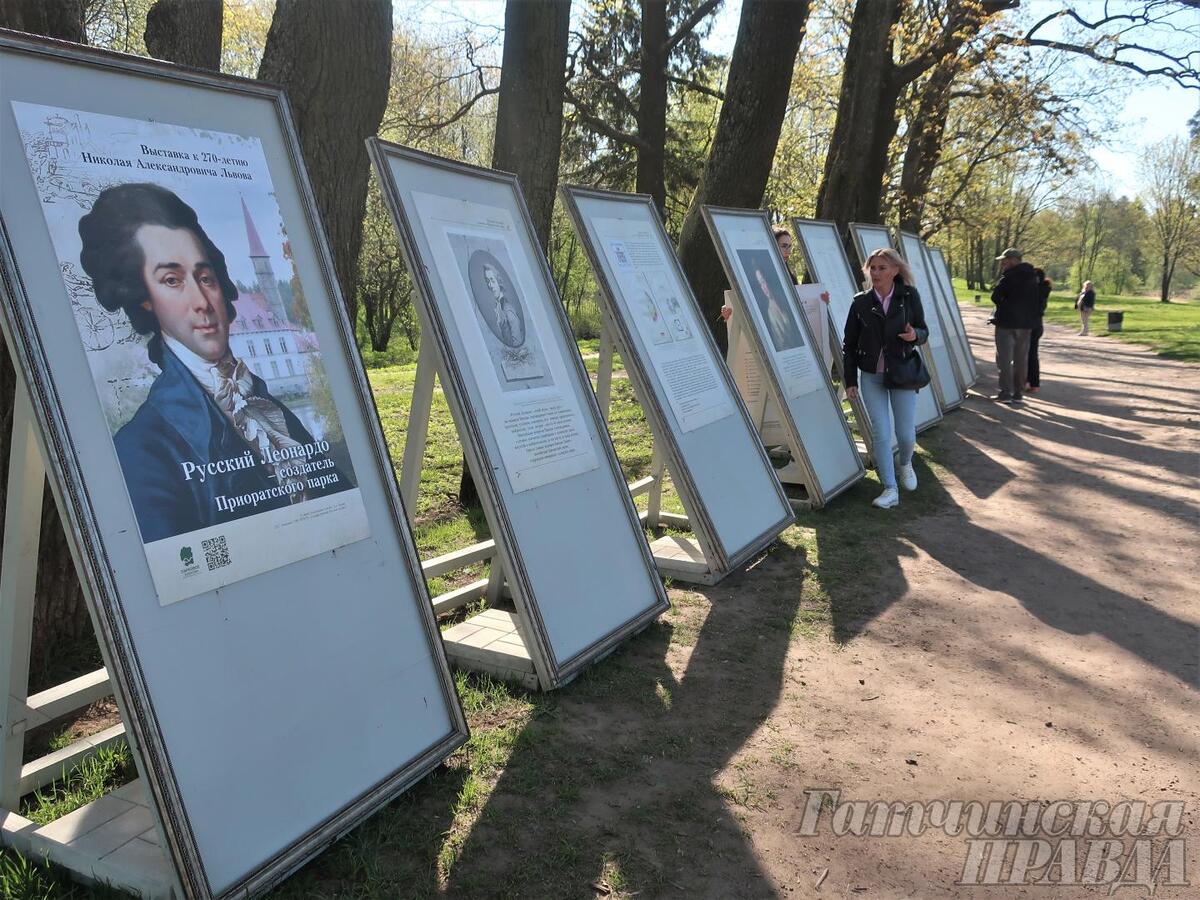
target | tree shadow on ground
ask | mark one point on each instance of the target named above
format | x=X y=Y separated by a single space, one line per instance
x=1065 y=599
x=366 y=862
x=1057 y=593
x=978 y=471
x=613 y=782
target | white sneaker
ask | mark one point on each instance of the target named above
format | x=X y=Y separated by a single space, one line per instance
x=908 y=478
x=889 y=498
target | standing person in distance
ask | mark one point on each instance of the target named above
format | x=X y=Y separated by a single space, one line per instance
x=886 y=322
x=1085 y=304
x=786 y=242
x=1045 y=285
x=1016 y=297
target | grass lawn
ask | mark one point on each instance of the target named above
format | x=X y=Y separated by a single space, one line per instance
x=508 y=813
x=1171 y=330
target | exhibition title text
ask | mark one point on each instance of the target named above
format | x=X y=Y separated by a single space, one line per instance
x=200 y=163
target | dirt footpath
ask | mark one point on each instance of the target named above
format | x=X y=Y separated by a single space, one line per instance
x=1030 y=636
x=1039 y=640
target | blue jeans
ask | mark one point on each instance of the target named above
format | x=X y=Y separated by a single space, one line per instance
x=883 y=407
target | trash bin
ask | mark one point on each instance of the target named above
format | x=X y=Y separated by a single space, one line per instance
x=976 y=298
x=1115 y=319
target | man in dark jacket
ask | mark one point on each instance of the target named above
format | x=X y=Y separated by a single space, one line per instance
x=1017 y=312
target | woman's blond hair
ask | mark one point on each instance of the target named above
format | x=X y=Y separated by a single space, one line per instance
x=895 y=259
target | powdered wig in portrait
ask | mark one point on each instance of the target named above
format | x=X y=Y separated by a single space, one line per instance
x=905 y=275
x=113 y=258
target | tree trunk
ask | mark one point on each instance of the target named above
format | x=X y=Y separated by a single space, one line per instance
x=1168 y=273
x=187 y=32
x=62 y=19
x=335 y=66
x=652 y=105
x=530 y=111
x=857 y=163
x=529 y=122
x=926 y=131
x=760 y=76
x=852 y=184
x=60 y=614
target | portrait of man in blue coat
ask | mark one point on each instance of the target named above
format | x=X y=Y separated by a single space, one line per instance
x=210 y=444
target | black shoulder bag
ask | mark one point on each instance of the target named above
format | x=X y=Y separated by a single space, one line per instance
x=906 y=372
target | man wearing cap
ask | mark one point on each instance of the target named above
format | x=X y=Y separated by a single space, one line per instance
x=1017 y=312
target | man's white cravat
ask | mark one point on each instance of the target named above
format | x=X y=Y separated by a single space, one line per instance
x=257 y=419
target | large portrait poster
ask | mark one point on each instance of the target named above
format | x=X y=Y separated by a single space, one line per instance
x=522 y=377
x=197 y=333
x=667 y=323
x=774 y=305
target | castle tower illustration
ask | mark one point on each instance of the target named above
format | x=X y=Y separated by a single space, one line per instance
x=268 y=286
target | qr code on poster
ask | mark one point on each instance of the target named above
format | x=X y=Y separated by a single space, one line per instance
x=216 y=552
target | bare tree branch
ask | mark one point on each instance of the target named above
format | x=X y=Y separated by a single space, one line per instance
x=595 y=121
x=429 y=126
x=693 y=85
x=687 y=25
x=1181 y=67
x=1180 y=74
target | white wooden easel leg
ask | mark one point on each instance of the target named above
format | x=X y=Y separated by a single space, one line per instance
x=22 y=535
x=420 y=405
x=654 y=498
x=604 y=372
x=495 y=581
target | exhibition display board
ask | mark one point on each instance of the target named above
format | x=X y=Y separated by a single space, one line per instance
x=929 y=411
x=245 y=556
x=940 y=336
x=955 y=341
x=566 y=532
x=941 y=273
x=734 y=502
x=825 y=261
x=786 y=363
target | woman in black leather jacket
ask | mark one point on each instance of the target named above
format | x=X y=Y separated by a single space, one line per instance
x=885 y=321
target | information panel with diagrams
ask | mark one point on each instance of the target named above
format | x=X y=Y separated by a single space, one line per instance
x=733 y=499
x=788 y=358
x=953 y=391
x=565 y=528
x=214 y=450
x=825 y=260
x=941 y=277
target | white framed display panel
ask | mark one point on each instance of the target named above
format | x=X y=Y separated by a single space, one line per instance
x=513 y=377
x=336 y=620
x=791 y=369
x=939 y=268
x=735 y=504
x=952 y=387
x=950 y=323
x=677 y=556
x=929 y=409
x=825 y=260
